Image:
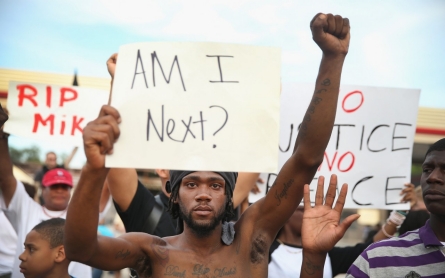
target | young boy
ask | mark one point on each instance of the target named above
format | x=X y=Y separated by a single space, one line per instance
x=44 y=254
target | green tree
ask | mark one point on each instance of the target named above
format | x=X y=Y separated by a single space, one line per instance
x=31 y=154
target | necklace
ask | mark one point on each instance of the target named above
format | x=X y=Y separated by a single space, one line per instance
x=46 y=213
x=289 y=251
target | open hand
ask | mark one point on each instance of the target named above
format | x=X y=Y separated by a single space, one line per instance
x=331 y=33
x=100 y=135
x=321 y=228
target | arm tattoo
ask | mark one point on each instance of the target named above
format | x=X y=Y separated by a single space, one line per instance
x=310 y=268
x=311 y=110
x=326 y=82
x=122 y=254
x=160 y=250
x=283 y=193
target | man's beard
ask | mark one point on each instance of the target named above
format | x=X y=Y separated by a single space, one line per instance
x=201 y=230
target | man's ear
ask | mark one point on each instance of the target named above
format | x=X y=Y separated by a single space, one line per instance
x=163 y=174
x=60 y=255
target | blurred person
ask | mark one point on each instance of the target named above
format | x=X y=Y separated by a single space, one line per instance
x=44 y=254
x=203 y=199
x=418 y=253
x=49 y=164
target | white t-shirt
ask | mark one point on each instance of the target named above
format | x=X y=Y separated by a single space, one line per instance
x=286 y=261
x=8 y=244
x=24 y=213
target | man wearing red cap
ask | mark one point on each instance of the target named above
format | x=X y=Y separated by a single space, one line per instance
x=24 y=213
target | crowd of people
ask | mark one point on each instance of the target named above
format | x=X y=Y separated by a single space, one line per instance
x=194 y=227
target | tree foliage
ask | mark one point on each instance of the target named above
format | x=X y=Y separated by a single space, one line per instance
x=31 y=154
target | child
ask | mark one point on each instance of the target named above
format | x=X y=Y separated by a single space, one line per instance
x=44 y=254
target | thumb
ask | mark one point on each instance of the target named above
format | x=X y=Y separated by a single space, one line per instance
x=318 y=25
x=347 y=222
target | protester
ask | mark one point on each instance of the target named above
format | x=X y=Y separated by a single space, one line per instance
x=23 y=212
x=8 y=236
x=419 y=253
x=202 y=199
x=44 y=254
x=286 y=251
x=140 y=211
x=51 y=163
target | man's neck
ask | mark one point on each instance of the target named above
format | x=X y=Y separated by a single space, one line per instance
x=437 y=223
x=201 y=245
x=289 y=237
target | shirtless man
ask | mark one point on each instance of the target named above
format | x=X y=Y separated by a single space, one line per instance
x=199 y=252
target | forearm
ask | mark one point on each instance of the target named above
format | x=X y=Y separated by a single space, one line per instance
x=243 y=186
x=7 y=181
x=316 y=128
x=389 y=229
x=313 y=265
x=83 y=215
x=123 y=184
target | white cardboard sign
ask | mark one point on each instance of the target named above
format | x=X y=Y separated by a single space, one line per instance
x=197 y=106
x=52 y=113
x=371 y=143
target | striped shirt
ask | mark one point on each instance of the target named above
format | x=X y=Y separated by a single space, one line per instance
x=414 y=254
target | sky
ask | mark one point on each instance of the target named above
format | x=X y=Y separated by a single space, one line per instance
x=393 y=43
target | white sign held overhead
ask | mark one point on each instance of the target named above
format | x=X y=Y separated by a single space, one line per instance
x=370 y=147
x=53 y=113
x=199 y=106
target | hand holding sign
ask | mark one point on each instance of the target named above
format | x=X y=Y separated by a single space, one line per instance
x=100 y=135
x=111 y=64
x=331 y=33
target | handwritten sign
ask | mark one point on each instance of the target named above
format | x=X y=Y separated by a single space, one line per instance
x=199 y=106
x=371 y=143
x=49 y=112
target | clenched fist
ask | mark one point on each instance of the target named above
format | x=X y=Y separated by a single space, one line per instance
x=100 y=135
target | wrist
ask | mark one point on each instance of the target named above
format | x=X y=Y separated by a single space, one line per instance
x=88 y=168
x=314 y=254
x=334 y=57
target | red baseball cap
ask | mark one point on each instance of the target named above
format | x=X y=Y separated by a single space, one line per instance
x=57 y=176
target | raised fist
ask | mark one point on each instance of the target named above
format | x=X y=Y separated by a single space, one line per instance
x=100 y=135
x=331 y=33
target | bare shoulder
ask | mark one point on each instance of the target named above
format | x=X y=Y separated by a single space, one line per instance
x=154 y=252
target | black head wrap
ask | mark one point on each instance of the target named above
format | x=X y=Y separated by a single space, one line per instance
x=176 y=178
